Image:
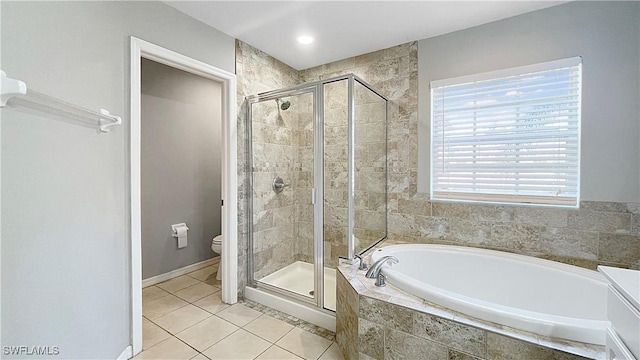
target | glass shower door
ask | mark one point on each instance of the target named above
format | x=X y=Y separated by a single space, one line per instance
x=370 y=167
x=282 y=160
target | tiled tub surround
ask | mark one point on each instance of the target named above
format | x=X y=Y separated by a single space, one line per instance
x=387 y=323
x=599 y=233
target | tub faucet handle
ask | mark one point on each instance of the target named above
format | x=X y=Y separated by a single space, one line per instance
x=380 y=280
x=375 y=268
x=363 y=263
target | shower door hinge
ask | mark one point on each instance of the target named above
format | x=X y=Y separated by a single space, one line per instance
x=313 y=196
x=222 y=202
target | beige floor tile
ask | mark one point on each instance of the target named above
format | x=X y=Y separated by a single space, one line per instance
x=239 y=314
x=177 y=283
x=212 y=303
x=207 y=332
x=239 y=345
x=277 y=353
x=199 y=357
x=196 y=292
x=171 y=348
x=152 y=334
x=268 y=328
x=332 y=353
x=204 y=273
x=214 y=282
x=304 y=343
x=151 y=293
x=181 y=319
x=162 y=306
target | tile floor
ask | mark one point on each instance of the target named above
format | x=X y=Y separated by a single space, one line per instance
x=185 y=318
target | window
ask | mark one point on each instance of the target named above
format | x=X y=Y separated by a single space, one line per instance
x=508 y=136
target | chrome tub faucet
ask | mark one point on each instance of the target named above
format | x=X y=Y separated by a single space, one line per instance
x=374 y=270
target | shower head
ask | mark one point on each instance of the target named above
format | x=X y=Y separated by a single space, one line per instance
x=285 y=105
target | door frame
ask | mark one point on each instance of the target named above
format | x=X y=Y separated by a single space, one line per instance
x=143 y=49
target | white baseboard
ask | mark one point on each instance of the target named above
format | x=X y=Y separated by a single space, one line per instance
x=126 y=354
x=177 y=272
x=287 y=306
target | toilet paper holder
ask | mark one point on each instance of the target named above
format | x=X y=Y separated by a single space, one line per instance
x=175 y=228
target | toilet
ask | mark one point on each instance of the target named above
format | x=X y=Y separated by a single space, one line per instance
x=216 y=246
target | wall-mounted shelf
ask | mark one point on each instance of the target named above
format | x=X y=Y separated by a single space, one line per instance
x=14 y=94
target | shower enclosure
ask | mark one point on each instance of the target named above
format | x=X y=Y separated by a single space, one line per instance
x=317 y=158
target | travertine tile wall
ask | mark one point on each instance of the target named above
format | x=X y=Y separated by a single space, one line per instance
x=258 y=72
x=371 y=166
x=336 y=149
x=276 y=153
x=368 y=328
x=393 y=72
x=283 y=144
x=303 y=180
x=597 y=233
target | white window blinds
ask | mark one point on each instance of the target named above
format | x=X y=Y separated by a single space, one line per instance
x=508 y=136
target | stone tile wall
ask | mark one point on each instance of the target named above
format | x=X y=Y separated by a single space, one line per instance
x=374 y=328
x=258 y=72
x=279 y=235
x=303 y=180
x=336 y=149
x=389 y=71
x=598 y=233
x=371 y=167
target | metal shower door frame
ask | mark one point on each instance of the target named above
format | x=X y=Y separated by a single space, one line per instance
x=317 y=196
x=317 y=89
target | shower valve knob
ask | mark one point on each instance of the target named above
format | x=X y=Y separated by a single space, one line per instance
x=278 y=185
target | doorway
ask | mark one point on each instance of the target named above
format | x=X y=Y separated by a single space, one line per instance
x=140 y=50
x=180 y=168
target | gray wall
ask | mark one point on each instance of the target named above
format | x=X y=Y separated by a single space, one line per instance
x=606 y=35
x=181 y=166
x=65 y=242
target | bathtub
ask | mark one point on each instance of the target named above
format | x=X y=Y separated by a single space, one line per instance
x=534 y=295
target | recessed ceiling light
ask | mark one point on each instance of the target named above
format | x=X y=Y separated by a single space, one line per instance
x=305 y=39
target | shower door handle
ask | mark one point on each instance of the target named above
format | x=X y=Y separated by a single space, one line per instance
x=313 y=196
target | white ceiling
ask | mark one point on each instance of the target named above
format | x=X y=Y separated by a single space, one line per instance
x=344 y=29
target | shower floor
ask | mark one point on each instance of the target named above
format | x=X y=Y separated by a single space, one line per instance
x=298 y=278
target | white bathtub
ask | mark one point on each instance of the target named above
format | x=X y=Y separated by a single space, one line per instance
x=535 y=295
